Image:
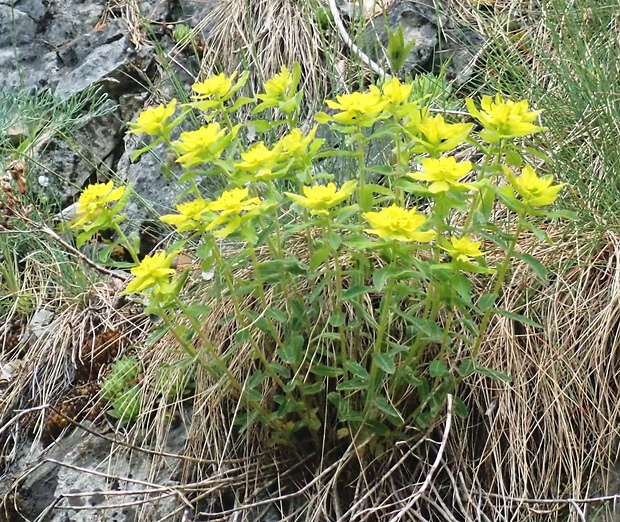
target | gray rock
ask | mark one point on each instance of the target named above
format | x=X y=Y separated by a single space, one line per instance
x=426 y=24
x=79 y=470
x=69 y=164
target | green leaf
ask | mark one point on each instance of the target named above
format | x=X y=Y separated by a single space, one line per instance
x=198 y=309
x=486 y=301
x=513 y=158
x=355 y=291
x=281 y=316
x=463 y=286
x=336 y=319
x=333 y=239
x=323 y=370
x=460 y=408
x=281 y=370
x=539 y=269
x=312 y=389
x=517 y=317
x=319 y=257
x=381 y=276
x=353 y=385
x=292 y=351
x=493 y=374
x=357 y=369
x=438 y=369
x=384 y=361
x=384 y=406
x=466 y=368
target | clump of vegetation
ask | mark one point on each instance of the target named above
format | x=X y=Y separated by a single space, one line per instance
x=121 y=389
x=364 y=321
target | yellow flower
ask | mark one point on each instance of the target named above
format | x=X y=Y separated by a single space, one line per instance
x=190 y=215
x=230 y=205
x=232 y=202
x=535 y=191
x=200 y=146
x=94 y=203
x=443 y=173
x=320 y=198
x=464 y=248
x=218 y=86
x=153 y=121
x=399 y=224
x=152 y=271
x=260 y=159
x=278 y=86
x=396 y=92
x=295 y=142
x=397 y=96
x=357 y=108
x=434 y=136
x=504 y=119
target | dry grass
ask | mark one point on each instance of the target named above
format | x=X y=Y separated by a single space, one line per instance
x=537 y=449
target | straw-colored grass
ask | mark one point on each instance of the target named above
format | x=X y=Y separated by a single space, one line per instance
x=540 y=448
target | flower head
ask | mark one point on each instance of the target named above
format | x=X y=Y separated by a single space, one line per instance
x=229 y=207
x=504 y=119
x=95 y=203
x=434 y=136
x=397 y=95
x=357 y=108
x=464 y=248
x=153 y=271
x=535 y=191
x=298 y=147
x=399 y=224
x=216 y=86
x=200 y=146
x=443 y=173
x=279 y=85
x=154 y=121
x=260 y=160
x=190 y=216
x=320 y=198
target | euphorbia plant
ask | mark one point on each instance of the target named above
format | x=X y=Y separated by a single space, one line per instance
x=373 y=322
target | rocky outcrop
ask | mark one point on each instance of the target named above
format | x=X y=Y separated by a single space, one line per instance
x=435 y=42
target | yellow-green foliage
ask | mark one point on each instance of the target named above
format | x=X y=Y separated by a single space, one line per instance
x=389 y=326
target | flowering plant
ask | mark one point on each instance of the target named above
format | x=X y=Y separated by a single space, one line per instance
x=373 y=321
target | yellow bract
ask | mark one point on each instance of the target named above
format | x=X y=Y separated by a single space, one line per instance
x=232 y=202
x=278 y=85
x=535 y=191
x=464 y=248
x=260 y=159
x=230 y=205
x=153 y=121
x=95 y=201
x=504 y=119
x=152 y=271
x=358 y=108
x=295 y=142
x=443 y=173
x=190 y=215
x=217 y=86
x=200 y=146
x=398 y=223
x=434 y=136
x=320 y=198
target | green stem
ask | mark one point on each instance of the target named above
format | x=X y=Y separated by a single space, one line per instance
x=361 y=191
x=501 y=275
x=344 y=355
x=128 y=245
x=381 y=334
x=239 y=314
